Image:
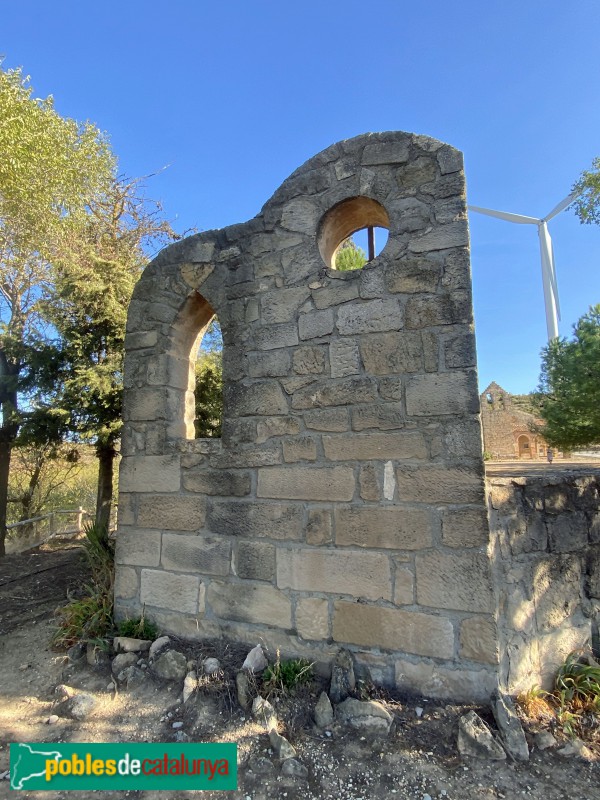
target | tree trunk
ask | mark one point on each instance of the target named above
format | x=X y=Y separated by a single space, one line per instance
x=5 y=451
x=9 y=373
x=106 y=457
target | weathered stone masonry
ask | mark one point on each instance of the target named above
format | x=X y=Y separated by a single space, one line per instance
x=345 y=503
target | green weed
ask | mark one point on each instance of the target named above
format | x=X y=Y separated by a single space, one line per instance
x=576 y=694
x=138 y=628
x=284 y=676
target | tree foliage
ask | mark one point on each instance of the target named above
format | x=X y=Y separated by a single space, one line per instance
x=587 y=204
x=51 y=168
x=95 y=273
x=569 y=390
x=209 y=384
x=349 y=256
x=48 y=477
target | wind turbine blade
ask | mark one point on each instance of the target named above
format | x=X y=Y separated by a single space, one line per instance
x=506 y=216
x=554 y=280
x=561 y=206
x=548 y=281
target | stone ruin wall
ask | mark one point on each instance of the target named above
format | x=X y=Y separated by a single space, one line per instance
x=344 y=504
x=546 y=565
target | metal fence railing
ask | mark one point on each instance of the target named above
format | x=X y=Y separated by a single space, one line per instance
x=32 y=532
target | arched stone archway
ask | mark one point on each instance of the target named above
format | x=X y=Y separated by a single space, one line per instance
x=524 y=448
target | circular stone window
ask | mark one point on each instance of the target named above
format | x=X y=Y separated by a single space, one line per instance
x=353 y=233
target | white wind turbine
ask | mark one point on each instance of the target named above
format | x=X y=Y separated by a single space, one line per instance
x=547 y=254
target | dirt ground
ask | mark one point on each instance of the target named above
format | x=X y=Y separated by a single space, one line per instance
x=418 y=759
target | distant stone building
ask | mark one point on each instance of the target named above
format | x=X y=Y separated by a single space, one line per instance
x=508 y=430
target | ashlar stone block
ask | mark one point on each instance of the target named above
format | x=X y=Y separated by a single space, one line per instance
x=202 y=554
x=306 y=483
x=338 y=393
x=385 y=416
x=393 y=629
x=255 y=561
x=250 y=602
x=149 y=474
x=384 y=527
x=268 y=427
x=369 y=483
x=437 y=394
x=455 y=234
x=440 y=485
x=352 y=572
x=264 y=397
x=272 y=337
x=344 y=358
x=404 y=587
x=303 y=448
x=315 y=324
x=460 y=582
x=327 y=419
x=312 y=618
x=309 y=360
x=319 y=528
x=138 y=547
x=392 y=353
x=126 y=583
x=371 y=316
x=413 y=274
x=432 y=679
x=172 y=512
x=225 y=483
x=465 y=527
x=269 y=364
x=375 y=446
x=276 y=305
x=177 y=592
x=256 y=520
x=479 y=640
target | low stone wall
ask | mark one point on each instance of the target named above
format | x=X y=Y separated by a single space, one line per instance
x=545 y=540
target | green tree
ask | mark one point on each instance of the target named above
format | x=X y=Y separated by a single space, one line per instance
x=50 y=169
x=87 y=305
x=41 y=478
x=209 y=384
x=349 y=256
x=587 y=204
x=569 y=390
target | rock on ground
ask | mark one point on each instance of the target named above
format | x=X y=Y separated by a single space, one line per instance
x=171 y=666
x=80 y=706
x=122 y=661
x=281 y=746
x=343 y=680
x=475 y=739
x=264 y=713
x=127 y=644
x=158 y=645
x=255 y=660
x=509 y=725
x=323 y=711
x=364 y=715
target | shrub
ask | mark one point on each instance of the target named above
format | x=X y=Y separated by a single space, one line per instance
x=90 y=617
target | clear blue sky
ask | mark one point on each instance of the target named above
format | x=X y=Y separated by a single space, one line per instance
x=234 y=96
